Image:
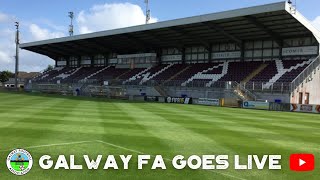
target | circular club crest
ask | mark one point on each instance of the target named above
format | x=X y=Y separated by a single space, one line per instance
x=19 y=162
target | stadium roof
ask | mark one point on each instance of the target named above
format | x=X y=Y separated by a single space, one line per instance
x=275 y=21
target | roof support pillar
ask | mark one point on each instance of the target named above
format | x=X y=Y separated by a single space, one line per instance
x=210 y=53
x=106 y=59
x=183 y=52
x=280 y=49
x=68 y=61
x=159 y=56
x=243 y=50
x=79 y=61
x=92 y=60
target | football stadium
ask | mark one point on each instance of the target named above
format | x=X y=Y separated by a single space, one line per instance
x=233 y=94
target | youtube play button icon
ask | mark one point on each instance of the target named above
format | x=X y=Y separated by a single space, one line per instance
x=302 y=162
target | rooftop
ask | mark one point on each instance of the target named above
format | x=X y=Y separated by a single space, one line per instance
x=275 y=21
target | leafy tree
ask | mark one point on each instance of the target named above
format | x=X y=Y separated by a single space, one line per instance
x=5 y=75
x=49 y=68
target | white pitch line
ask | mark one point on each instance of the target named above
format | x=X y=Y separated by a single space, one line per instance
x=119 y=147
x=50 y=145
x=139 y=152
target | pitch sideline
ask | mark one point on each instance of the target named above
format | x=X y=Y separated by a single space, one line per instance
x=51 y=145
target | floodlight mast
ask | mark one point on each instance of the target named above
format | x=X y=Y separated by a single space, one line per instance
x=71 y=16
x=293 y=6
x=17 y=57
x=147 y=11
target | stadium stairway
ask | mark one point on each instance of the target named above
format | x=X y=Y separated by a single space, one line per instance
x=244 y=94
x=240 y=94
x=74 y=72
x=130 y=73
x=254 y=73
x=96 y=73
x=161 y=91
x=176 y=75
x=123 y=74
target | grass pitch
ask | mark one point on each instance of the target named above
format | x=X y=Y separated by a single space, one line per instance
x=59 y=125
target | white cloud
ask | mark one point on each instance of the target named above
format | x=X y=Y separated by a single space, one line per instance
x=98 y=18
x=29 y=61
x=111 y=16
x=33 y=62
x=4 y=57
x=5 y=18
x=6 y=47
x=53 y=26
x=41 y=33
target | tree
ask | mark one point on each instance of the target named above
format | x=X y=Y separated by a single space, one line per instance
x=5 y=75
x=49 y=68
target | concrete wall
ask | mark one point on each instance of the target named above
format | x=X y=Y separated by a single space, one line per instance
x=312 y=87
x=271 y=97
x=136 y=91
x=195 y=92
x=205 y=93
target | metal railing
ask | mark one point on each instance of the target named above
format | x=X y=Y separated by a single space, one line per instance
x=245 y=91
x=249 y=88
x=305 y=74
x=277 y=87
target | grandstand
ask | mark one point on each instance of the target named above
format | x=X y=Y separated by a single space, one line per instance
x=268 y=52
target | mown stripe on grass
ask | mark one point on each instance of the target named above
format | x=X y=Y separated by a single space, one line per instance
x=16 y=129
x=234 y=140
x=146 y=140
x=177 y=137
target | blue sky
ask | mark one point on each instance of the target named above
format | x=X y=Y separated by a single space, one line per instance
x=42 y=19
x=55 y=11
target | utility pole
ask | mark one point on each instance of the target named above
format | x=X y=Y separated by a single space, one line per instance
x=17 y=57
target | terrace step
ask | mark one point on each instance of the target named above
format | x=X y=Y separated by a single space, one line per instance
x=161 y=91
x=254 y=73
x=123 y=74
x=172 y=77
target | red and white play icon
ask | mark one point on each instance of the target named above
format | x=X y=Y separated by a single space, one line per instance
x=302 y=162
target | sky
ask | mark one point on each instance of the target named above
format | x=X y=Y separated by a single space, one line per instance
x=41 y=20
